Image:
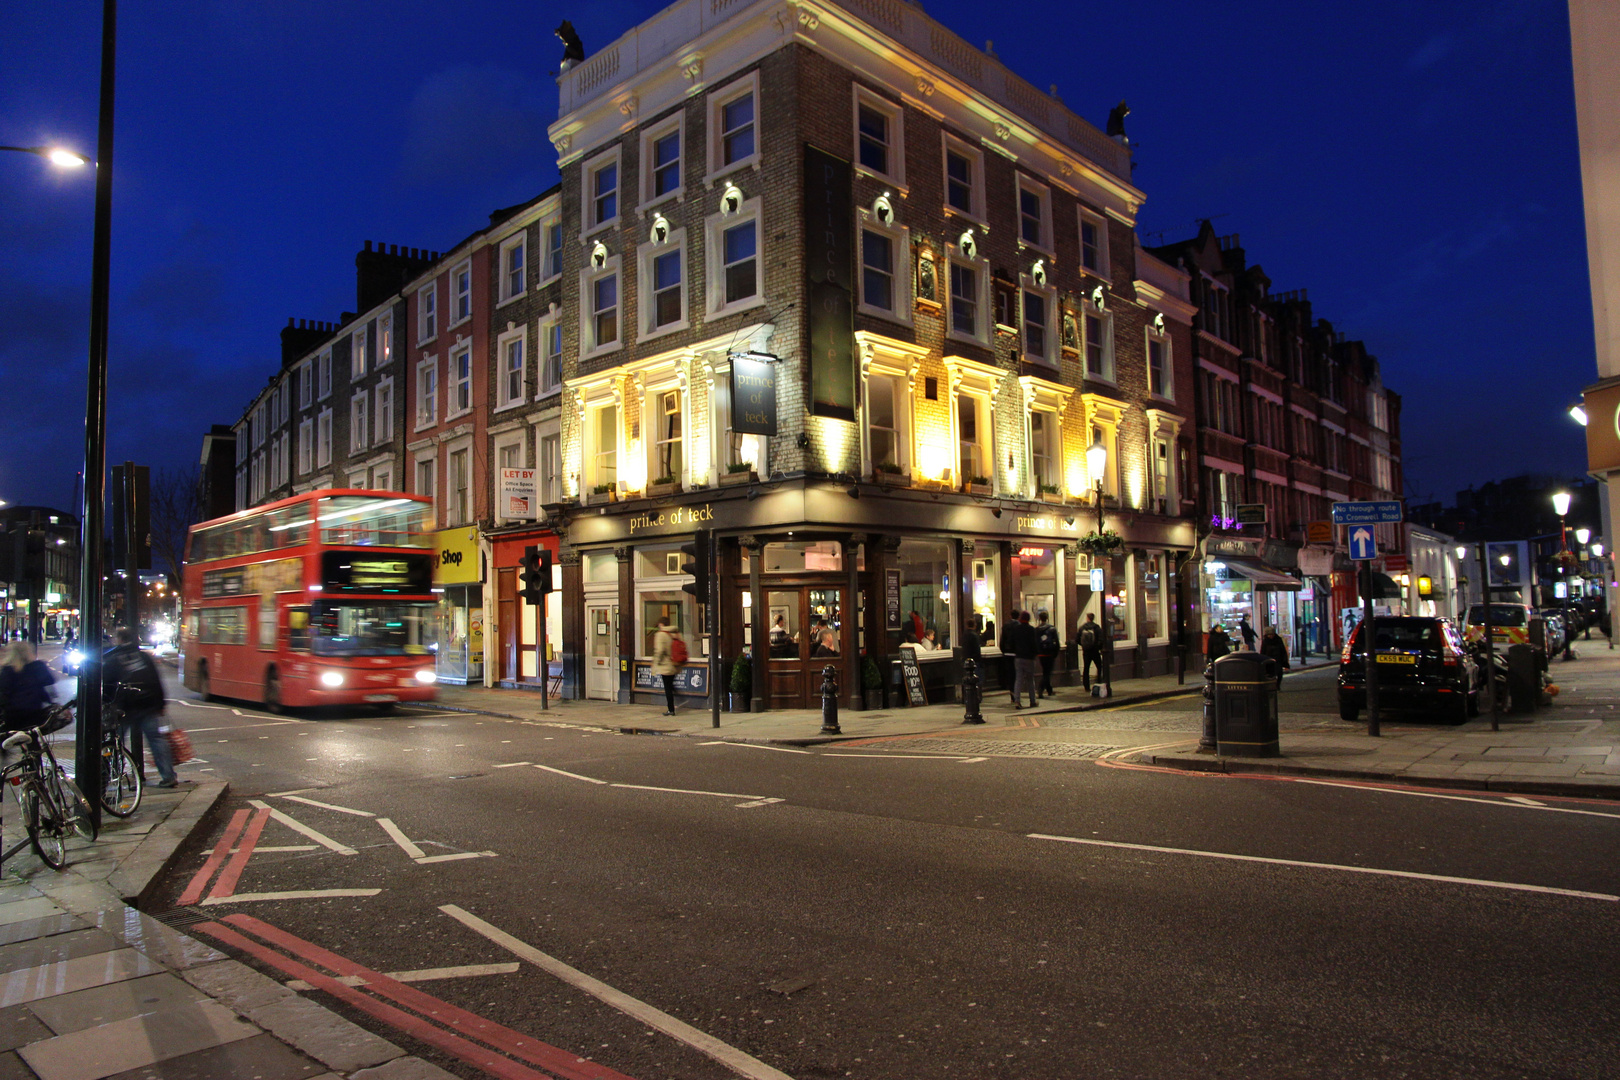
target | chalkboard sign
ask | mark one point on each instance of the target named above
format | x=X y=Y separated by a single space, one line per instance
x=915 y=694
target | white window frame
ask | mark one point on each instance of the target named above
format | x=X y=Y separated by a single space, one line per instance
x=899 y=237
x=324 y=374
x=427 y=393
x=717 y=101
x=653 y=426
x=549 y=326
x=1054 y=448
x=587 y=192
x=1043 y=193
x=650 y=137
x=427 y=313
x=519 y=243
x=357 y=353
x=588 y=345
x=382 y=419
x=385 y=338
x=895 y=147
x=323 y=438
x=460 y=297
x=453 y=382
x=357 y=477
x=1105 y=320
x=1162 y=340
x=715 y=226
x=504 y=399
x=382 y=477
x=551 y=267
x=306 y=388
x=359 y=421
x=548 y=460
x=464 y=495
x=428 y=458
x=985 y=424
x=592 y=447
x=306 y=446
x=645 y=256
x=981 y=271
x=1053 y=325
x=1083 y=217
x=728 y=448
x=1108 y=426
x=950 y=143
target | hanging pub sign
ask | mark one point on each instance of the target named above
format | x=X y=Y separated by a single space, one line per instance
x=829 y=219
x=753 y=394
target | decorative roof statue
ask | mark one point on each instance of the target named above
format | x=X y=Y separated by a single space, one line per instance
x=574 y=49
x=1116 y=119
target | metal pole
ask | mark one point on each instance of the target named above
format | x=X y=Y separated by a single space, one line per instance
x=713 y=613
x=132 y=577
x=1490 y=639
x=87 y=743
x=1370 y=639
x=543 y=662
x=1102 y=603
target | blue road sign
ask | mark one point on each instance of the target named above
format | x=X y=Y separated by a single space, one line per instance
x=1363 y=542
x=1366 y=513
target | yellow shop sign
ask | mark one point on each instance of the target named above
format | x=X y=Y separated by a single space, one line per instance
x=455 y=556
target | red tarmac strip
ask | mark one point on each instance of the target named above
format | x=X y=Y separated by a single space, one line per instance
x=226 y=885
x=560 y=1062
x=194 y=890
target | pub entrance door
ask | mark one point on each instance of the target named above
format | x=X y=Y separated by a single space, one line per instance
x=807 y=631
x=601 y=651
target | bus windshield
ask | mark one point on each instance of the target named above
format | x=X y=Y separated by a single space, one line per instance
x=388 y=628
x=367 y=520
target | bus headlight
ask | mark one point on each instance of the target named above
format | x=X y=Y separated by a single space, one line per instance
x=426 y=675
x=332 y=678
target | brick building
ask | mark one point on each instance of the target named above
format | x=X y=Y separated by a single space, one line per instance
x=935 y=265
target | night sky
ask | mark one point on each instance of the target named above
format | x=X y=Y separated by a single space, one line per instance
x=1413 y=165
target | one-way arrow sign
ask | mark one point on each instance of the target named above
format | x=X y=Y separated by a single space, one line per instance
x=1363 y=543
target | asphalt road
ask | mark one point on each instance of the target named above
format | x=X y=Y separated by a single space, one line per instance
x=890 y=912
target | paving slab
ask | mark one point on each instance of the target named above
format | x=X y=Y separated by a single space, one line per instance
x=49 y=950
x=405 y=1068
x=122 y=1045
x=29 y=929
x=79 y=973
x=263 y=1057
x=119 y=1001
x=237 y=985
x=19 y=1027
x=324 y=1035
x=38 y=907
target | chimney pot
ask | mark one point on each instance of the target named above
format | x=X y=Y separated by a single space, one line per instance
x=393 y=249
x=368 y=245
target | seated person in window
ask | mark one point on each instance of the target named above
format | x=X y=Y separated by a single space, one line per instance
x=929 y=640
x=826 y=644
x=781 y=640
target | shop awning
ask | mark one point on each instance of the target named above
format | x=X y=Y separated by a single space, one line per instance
x=1386 y=587
x=1262 y=575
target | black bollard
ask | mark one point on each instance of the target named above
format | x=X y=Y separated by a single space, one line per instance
x=829 y=703
x=971 y=694
x=1206 y=741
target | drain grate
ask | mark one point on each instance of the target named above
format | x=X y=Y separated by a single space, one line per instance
x=180 y=918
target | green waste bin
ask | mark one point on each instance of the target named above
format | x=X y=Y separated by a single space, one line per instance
x=1246 y=706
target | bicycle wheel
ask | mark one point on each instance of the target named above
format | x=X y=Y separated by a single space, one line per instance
x=121 y=793
x=47 y=830
x=76 y=810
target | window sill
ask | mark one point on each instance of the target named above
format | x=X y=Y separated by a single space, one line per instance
x=1162 y=398
x=1108 y=379
x=459 y=322
x=424 y=425
x=1100 y=274
x=548 y=393
x=664 y=331
x=749 y=162
x=902 y=318
x=973 y=219
x=1042 y=249
x=509 y=406
x=740 y=306
x=424 y=342
x=896 y=185
x=457 y=415
x=678 y=195
x=966 y=339
x=604 y=350
x=553 y=278
x=1036 y=358
x=502 y=303
x=600 y=226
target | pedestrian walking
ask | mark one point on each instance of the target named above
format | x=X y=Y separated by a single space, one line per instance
x=1247 y=631
x=970 y=642
x=1048 y=644
x=1275 y=648
x=1219 y=644
x=1026 y=663
x=25 y=687
x=1009 y=670
x=129 y=677
x=1090 y=640
x=663 y=663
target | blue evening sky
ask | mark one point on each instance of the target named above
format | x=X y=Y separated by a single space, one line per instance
x=1414 y=166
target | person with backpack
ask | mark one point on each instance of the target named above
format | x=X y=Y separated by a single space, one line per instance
x=1090 y=640
x=1273 y=646
x=1047 y=646
x=130 y=679
x=25 y=687
x=669 y=653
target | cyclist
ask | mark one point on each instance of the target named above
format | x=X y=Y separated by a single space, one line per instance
x=130 y=678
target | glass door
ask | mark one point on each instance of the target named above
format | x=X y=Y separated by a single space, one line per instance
x=601 y=651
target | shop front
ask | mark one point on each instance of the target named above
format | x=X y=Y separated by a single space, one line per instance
x=1238 y=586
x=459 y=627
x=516 y=657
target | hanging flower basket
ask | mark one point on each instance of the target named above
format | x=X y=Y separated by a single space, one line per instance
x=1105 y=542
x=1566 y=561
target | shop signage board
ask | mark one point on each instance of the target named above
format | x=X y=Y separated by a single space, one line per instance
x=692 y=679
x=519 y=495
x=1251 y=514
x=753 y=394
x=1395 y=564
x=891 y=599
x=1319 y=532
x=829 y=257
x=455 y=556
x=1367 y=513
x=911 y=671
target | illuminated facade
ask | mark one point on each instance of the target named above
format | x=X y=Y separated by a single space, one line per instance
x=938 y=265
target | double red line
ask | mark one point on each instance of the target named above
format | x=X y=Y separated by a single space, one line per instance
x=430 y=1020
x=239 y=828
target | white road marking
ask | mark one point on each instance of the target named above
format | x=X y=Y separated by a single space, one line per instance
x=282 y=847
x=329 y=806
x=294 y=791
x=570 y=775
x=426 y=859
x=239 y=727
x=737 y=1061
x=688 y=791
x=972 y=760
x=399 y=838
x=298 y=826
x=1446 y=878
x=907 y=757
x=200 y=705
x=756 y=746
x=303 y=894
x=514 y=764
x=465 y=971
x=1511 y=803
x=757 y=803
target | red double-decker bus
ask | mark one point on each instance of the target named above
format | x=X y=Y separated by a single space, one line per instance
x=321 y=599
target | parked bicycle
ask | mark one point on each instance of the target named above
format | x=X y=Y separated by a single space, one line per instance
x=52 y=805
x=121 y=780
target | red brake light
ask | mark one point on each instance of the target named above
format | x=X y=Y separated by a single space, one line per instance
x=1349 y=644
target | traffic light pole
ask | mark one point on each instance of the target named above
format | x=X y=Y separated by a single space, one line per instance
x=543 y=661
x=1370 y=637
x=714 y=630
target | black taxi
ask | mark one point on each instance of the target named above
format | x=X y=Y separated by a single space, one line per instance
x=1420 y=663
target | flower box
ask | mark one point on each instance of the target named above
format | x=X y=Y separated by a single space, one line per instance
x=888 y=479
x=658 y=491
x=1052 y=497
x=732 y=479
x=979 y=489
x=598 y=498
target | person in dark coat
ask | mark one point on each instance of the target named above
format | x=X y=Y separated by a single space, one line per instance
x=1026 y=662
x=1219 y=644
x=1049 y=645
x=1273 y=647
x=1009 y=672
x=130 y=678
x=1247 y=631
x=25 y=687
x=1090 y=639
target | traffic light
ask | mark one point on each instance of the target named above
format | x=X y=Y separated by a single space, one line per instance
x=697 y=564
x=545 y=571
x=532 y=590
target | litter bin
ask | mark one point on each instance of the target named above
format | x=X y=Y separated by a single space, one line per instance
x=1246 y=706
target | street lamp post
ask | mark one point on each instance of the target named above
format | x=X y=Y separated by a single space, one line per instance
x=1097 y=463
x=1560 y=502
x=56 y=155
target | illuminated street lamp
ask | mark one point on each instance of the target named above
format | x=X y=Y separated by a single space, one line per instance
x=1560 y=501
x=1578 y=414
x=59 y=156
x=1096 y=463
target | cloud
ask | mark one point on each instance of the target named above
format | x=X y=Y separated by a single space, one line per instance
x=464 y=117
x=1433 y=51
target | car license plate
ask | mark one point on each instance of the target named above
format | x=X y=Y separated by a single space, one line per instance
x=395 y=697
x=1396 y=658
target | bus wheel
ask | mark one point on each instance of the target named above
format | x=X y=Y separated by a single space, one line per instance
x=384 y=708
x=204 y=690
x=272 y=694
